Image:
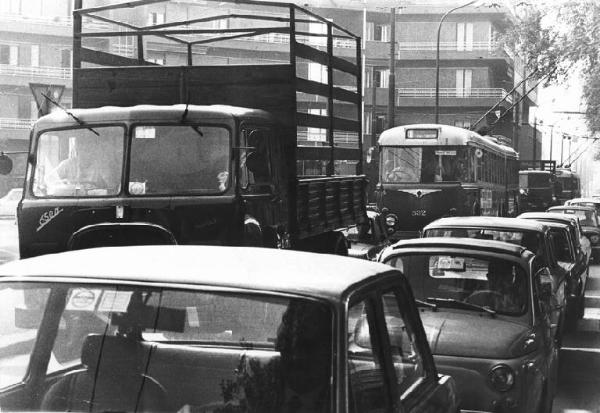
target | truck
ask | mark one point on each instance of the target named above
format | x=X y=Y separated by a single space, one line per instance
x=538 y=189
x=200 y=150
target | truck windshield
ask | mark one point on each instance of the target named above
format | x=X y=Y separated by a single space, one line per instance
x=173 y=159
x=424 y=164
x=79 y=162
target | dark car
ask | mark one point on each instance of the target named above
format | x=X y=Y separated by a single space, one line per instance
x=485 y=306
x=212 y=329
x=590 y=225
x=534 y=236
x=368 y=239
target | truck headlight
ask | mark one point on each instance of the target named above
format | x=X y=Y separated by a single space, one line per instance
x=502 y=377
x=391 y=220
x=594 y=239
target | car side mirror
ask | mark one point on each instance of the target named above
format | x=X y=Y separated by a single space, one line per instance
x=6 y=164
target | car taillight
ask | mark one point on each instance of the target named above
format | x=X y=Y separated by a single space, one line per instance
x=502 y=377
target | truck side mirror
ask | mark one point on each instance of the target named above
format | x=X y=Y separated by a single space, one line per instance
x=6 y=164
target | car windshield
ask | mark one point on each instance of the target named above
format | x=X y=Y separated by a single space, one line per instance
x=425 y=164
x=459 y=281
x=179 y=159
x=529 y=239
x=159 y=349
x=585 y=217
x=79 y=162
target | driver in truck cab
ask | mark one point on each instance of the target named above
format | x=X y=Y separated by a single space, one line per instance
x=89 y=166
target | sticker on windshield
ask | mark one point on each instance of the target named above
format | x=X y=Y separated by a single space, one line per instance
x=83 y=299
x=451 y=263
x=115 y=301
x=145 y=132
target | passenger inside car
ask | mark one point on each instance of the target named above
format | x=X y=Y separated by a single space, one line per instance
x=503 y=289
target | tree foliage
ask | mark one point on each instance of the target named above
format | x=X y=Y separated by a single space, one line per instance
x=553 y=38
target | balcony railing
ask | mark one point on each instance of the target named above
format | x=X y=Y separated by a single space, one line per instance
x=36 y=71
x=15 y=123
x=448 y=46
x=493 y=93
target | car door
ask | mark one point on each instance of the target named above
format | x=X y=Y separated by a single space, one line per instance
x=389 y=362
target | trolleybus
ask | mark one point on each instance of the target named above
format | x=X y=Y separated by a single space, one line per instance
x=428 y=171
x=568 y=185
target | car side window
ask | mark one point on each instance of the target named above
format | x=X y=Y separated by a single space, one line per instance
x=406 y=356
x=22 y=312
x=366 y=376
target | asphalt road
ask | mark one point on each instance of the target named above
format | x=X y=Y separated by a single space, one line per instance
x=579 y=368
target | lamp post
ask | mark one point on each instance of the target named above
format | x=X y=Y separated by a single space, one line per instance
x=437 y=60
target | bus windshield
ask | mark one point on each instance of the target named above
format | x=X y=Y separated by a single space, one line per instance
x=534 y=180
x=79 y=162
x=425 y=164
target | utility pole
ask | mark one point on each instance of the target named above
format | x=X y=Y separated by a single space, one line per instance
x=534 y=137
x=392 y=80
x=551 y=142
x=373 y=109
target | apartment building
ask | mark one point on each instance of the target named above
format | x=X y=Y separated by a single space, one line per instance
x=36 y=43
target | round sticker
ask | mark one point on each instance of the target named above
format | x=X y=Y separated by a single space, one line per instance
x=82 y=299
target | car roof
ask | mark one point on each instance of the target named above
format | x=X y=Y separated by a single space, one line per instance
x=588 y=199
x=261 y=269
x=573 y=207
x=487 y=222
x=549 y=216
x=454 y=243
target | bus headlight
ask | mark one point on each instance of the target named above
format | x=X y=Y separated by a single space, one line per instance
x=594 y=239
x=391 y=220
x=502 y=377
x=523 y=191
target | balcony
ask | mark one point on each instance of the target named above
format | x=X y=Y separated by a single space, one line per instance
x=448 y=46
x=16 y=123
x=36 y=71
x=473 y=93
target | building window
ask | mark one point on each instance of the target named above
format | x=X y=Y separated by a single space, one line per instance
x=155 y=18
x=381 y=77
x=466 y=124
x=368 y=123
x=219 y=24
x=157 y=60
x=378 y=32
x=9 y=54
x=317 y=72
x=35 y=55
x=24 y=108
x=463 y=82
x=65 y=58
x=464 y=36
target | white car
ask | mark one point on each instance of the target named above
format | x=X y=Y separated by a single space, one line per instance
x=9 y=202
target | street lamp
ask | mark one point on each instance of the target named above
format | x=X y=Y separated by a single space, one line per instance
x=437 y=60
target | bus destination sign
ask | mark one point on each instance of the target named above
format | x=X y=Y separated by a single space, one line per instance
x=422 y=133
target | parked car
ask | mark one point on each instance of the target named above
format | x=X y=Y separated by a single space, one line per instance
x=9 y=202
x=367 y=240
x=485 y=306
x=590 y=225
x=532 y=235
x=212 y=329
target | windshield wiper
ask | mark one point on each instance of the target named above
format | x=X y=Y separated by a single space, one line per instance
x=421 y=303
x=457 y=303
x=75 y=118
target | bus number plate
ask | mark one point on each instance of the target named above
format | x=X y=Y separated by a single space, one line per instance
x=419 y=213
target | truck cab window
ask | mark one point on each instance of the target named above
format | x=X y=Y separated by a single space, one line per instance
x=79 y=162
x=183 y=159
